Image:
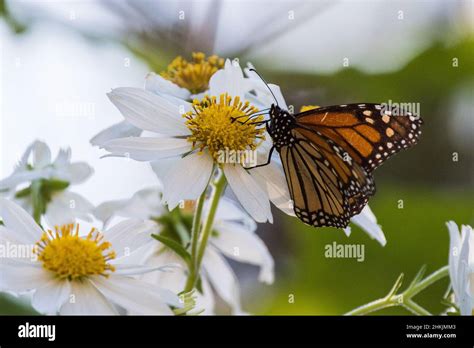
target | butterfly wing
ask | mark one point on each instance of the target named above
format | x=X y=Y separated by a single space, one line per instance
x=327 y=186
x=369 y=133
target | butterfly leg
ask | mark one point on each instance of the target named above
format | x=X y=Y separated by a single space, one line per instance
x=269 y=159
x=249 y=117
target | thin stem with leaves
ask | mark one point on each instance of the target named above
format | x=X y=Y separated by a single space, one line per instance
x=404 y=299
x=200 y=238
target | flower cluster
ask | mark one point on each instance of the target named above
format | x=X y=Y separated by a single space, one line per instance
x=41 y=185
x=165 y=250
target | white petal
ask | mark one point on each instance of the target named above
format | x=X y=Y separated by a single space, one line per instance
x=272 y=179
x=105 y=211
x=137 y=296
x=147 y=202
x=23 y=277
x=454 y=251
x=119 y=130
x=279 y=96
x=222 y=278
x=85 y=299
x=66 y=206
x=348 y=231
x=174 y=279
x=147 y=149
x=228 y=210
x=205 y=301
x=465 y=230
x=242 y=245
x=130 y=270
x=249 y=193
x=367 y=221
x=18 y=220
x=463 y=294
x=264 y=96
x=19 y=177
x=23 y=163
x=149 y=111
x=186 y=178
x=229 y=80
x=143 y=205
x=49 y=298
x=78 y=172
x=63 y=158
x=41 y=154
x=8 y=238
x=159 y=85
x=129 y=235
x=163 y=166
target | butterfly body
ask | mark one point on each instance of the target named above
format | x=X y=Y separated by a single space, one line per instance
x=280 y=125
x=329 y=154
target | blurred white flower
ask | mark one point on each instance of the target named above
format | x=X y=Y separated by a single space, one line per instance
x=368 y=222
x=73 y=274
x=47 y=184
x=461 y=266
x=184 y=150
x=233 y=236
x=182 y=80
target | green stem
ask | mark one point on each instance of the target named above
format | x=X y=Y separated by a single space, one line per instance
x=415 y=308
x=37 y=201
x=372 y=307
x=195 y=230
x=405 y=298
x=219 y=187
x=432 y=278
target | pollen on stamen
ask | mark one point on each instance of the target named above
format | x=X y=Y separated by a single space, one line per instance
x=193 y=75
x=224 y=123
x=71 y=256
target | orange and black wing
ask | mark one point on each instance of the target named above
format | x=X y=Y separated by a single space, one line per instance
x=326 y=185
x=369 y=133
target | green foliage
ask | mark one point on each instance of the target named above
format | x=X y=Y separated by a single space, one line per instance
x=176 y=247
x=417 y=235
x=12 y=22
x=41 y=192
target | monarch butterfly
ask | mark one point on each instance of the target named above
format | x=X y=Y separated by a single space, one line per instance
x=329 y=154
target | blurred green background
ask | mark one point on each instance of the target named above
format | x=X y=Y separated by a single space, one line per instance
x=433 y=187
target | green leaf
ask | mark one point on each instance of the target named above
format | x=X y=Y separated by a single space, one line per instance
x=55 y=185
x=418 y=277
x=396 y=286
x=38 y=201
x=199 y=285
x=180 y=226
x=176 y=247
x=23 y=193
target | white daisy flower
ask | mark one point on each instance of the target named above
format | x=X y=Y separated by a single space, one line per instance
x=368 y=222
x=186 y=177
x=182 y=80
x=47 y=184
x=184 y=150
x=73 y=274
x=461 y=266
x=233 y=236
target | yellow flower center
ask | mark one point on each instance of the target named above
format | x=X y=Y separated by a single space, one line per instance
x=71 y=256
x=308 y=107
x=193 y=75
x=224 y=125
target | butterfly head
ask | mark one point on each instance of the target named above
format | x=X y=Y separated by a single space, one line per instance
x=275 y=112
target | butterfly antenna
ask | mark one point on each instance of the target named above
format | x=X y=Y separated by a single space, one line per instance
x=266 y=84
